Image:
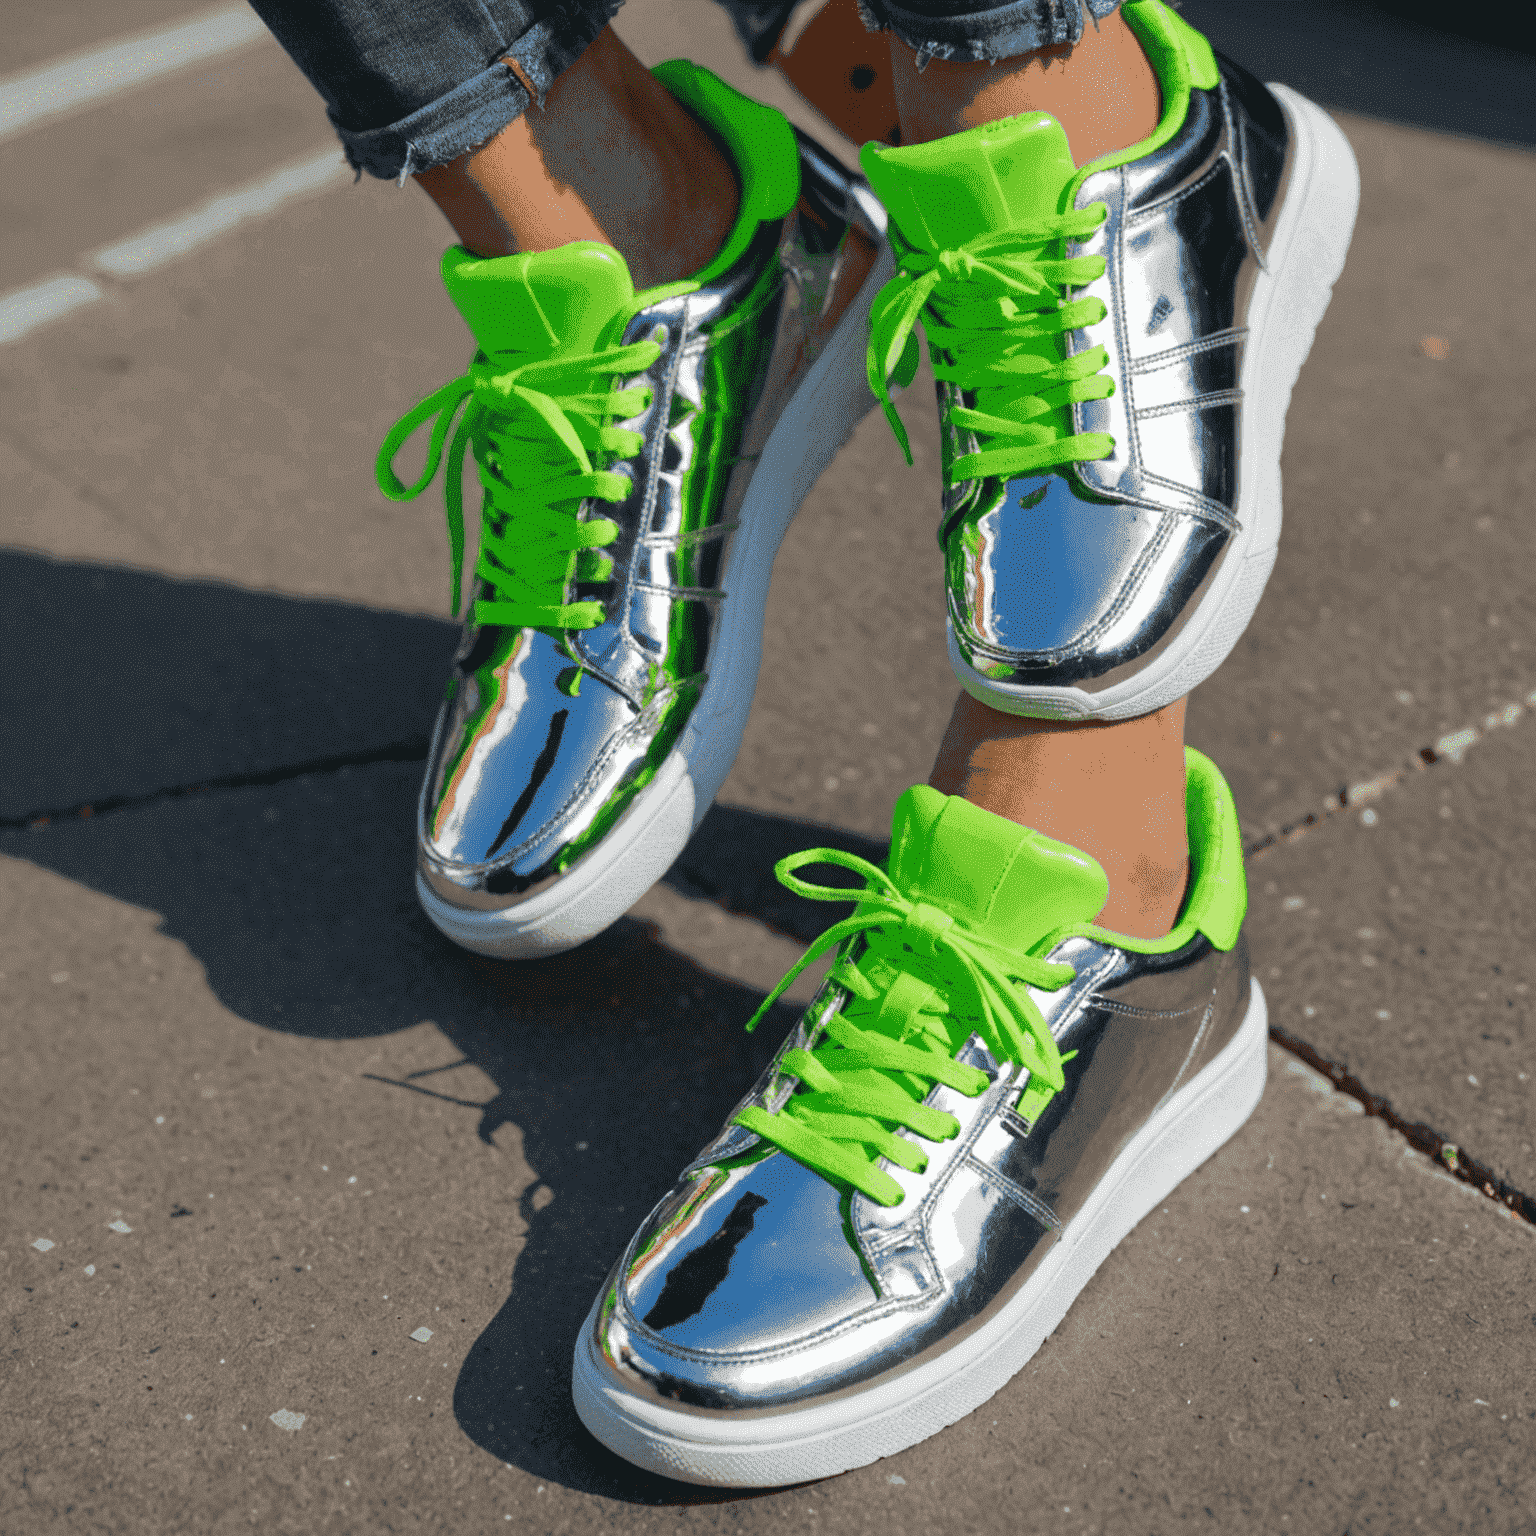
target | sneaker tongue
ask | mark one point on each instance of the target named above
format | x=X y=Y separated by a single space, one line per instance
x=948 y=191
x=997 y=877
x=539 y=303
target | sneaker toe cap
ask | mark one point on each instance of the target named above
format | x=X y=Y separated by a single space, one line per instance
x=520 y=770
x=1043 y=578
x=731 y=1291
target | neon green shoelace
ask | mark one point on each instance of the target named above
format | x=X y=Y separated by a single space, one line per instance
x=878 y=1055
x=534 y=428
x=981 y=304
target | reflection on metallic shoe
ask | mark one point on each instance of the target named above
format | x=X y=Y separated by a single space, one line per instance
x=986 y=1095
x=1115 y=348
x=641 y=457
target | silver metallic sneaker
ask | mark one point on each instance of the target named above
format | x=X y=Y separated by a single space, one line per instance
x=1115 y=349
x=987 y=1094
x=641 y=457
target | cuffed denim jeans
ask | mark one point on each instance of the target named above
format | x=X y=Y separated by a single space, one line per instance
x=410 y=85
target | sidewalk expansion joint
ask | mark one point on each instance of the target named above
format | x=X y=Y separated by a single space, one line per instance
x=1450 y=748
x=1422 y=1138
x=412 y=750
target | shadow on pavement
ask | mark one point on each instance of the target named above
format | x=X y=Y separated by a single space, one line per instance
x=730 y=862
x=120 y=682
x=296 y=899
x=297 y=902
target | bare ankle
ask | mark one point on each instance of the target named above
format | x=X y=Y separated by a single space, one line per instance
x=1145 y=900
x=1102 y=89
x=1116 y=791
x=610 y=156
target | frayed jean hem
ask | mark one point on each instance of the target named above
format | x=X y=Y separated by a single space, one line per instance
x=464 y=119
x=471 y=114
x=984 y=36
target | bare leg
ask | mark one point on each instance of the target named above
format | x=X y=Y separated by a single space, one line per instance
x=1116 y=791
x=612 y=157
x=609 y=157
x=1102 y=90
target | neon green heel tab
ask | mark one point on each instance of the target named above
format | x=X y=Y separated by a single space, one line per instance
x=1183 y=60
x=761 y=145
x=1218 y=887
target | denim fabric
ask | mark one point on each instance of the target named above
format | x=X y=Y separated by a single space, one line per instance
x=409 y=86
x=965 y=30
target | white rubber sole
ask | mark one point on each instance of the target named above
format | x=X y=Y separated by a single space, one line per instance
x=805 y=1443
x=605 y=884
x=1290 y=298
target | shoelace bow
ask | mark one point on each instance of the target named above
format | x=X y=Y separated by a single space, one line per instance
x=837 y=1126
x=980 y=303
x=533 y=428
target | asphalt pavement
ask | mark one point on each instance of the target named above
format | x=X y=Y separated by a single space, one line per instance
x=304 y=1206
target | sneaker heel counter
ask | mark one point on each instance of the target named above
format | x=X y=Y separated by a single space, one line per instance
x=1229 y=1006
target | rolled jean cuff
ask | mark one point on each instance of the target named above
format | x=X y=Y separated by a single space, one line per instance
x=464 y=118
x=938 y=31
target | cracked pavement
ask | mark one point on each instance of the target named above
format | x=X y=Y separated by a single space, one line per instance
x=264 y=1125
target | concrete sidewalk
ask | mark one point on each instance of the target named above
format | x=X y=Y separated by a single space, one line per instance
x=264 y=1126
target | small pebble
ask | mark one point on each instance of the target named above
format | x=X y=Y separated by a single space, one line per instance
x=284 y=1419
x=119 y=1226
x=421 y=1335
x=43 y=1244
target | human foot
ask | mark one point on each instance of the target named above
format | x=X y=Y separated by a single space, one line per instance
x=986 y=1095
x=642 y=455
x=1115 y=348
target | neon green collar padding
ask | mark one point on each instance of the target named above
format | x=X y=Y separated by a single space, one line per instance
x=1217 y=899
x=1183 y=61
x=760 y=143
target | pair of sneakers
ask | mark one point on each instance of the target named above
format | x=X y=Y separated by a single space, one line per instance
x=989 y=1090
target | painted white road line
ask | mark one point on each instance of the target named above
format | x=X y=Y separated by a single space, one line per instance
x=24 y=309
x=83 y=79
x=154 y=247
